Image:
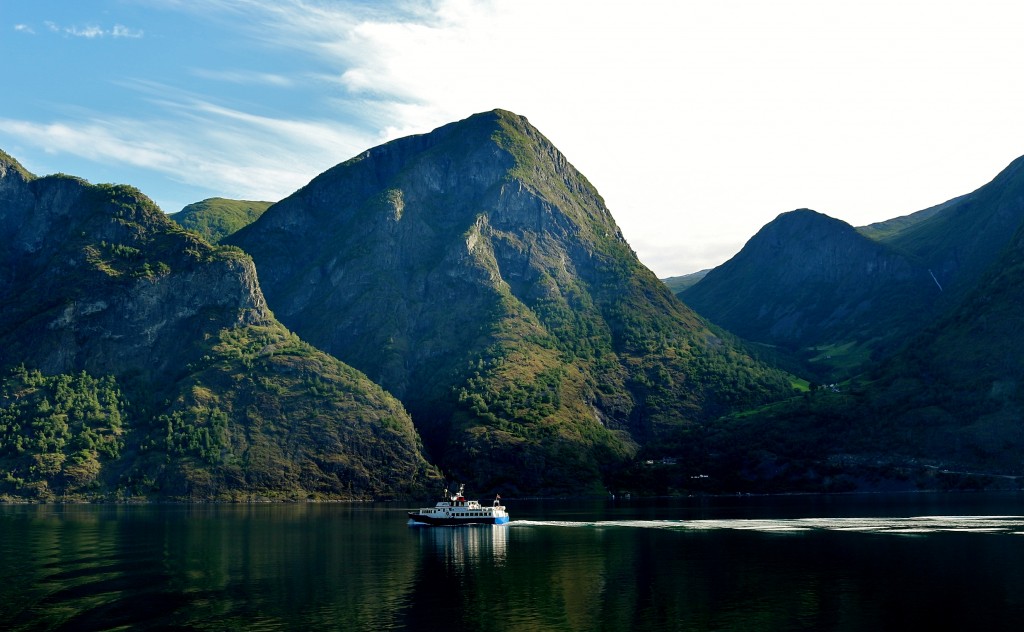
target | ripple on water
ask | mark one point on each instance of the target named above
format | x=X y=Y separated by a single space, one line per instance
x=908 y=525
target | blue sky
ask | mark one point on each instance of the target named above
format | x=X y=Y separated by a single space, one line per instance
x=699 y=122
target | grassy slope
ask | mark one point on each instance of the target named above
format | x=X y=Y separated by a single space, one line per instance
x=216 y=218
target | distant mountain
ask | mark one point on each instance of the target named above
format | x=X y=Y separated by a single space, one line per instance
x=216 y=218
x=945 y=412
x=475 y=274
x=807 y=280
x=679 y=283
x=838 y=296
x=941 y=405
x=964 y=236
x=140 y=361
x=880 y=231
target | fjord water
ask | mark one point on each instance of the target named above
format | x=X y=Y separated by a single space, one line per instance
x=912 y=561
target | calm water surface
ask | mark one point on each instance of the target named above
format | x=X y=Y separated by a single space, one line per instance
x=928 y=561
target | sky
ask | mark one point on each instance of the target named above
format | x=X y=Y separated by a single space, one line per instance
x=698 y=122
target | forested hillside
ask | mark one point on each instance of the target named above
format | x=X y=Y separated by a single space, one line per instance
x=140 y=361
x=475 y=274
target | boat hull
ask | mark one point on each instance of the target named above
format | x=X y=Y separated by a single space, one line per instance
x=452 y=521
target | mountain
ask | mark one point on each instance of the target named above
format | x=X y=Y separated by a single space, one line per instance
x=840 y=296
x=944 y=412
x=880 y=231
x=963 y=237
x=679 y=283
x=943 y=408
x=807 y=280
x=138 y=360
x=216 y=218
x=956 y=388
x=479 y=277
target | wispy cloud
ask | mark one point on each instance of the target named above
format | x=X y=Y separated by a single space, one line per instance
x=244 y=77
x=395 y=71
x=24 y=28
x=228 y=151
x=120 y=30
x=96 y=140
x=90 y=31
x=408 y=66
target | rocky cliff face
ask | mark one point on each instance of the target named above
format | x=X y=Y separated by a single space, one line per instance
x=99 y=280
x=140 y=360
x=474 y=273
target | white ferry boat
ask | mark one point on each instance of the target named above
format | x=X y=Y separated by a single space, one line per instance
x=455 y=509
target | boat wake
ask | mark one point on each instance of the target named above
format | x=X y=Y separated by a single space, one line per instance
x=1013 y=525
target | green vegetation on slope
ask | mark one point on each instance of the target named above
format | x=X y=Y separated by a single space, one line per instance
x=882 y=231
x=143 y=363
x=262 y=415
x=216 y=218
x=944 y=412
x=6 y=160
x=679 y=283
x=477 y=275
x=58 y=432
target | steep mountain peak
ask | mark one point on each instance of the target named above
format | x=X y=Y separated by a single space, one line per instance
x=9 y=164
x=14 y=181
x=806 y=214
x=487 y=154
x=478 y=276
x=801 y=244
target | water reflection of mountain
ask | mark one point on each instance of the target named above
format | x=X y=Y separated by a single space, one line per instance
x=467 y=544
x=300 y=566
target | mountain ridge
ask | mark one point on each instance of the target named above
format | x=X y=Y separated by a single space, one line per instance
x=806 y=280
x=141 y=362
x=843 y=298
x=943 y=412
x=500 y=289
x=481 y=307
x=939 y=407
